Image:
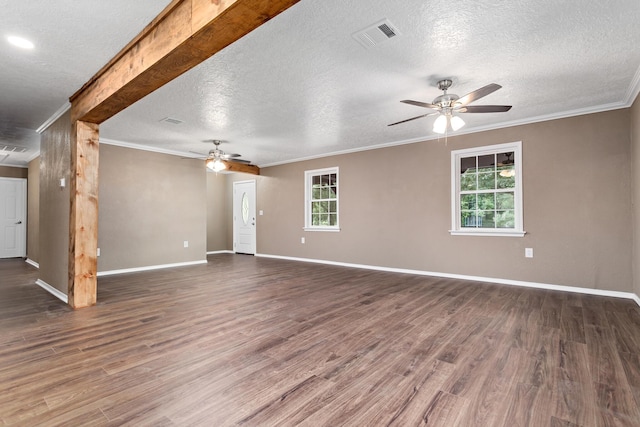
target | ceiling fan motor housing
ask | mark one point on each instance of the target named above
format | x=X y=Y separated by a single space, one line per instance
x=446 y=101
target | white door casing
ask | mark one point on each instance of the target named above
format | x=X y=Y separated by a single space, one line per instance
x=13 y=218
x=244 y=217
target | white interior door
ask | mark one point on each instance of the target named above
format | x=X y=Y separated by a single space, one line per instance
x=13 y=218
x=244 y=217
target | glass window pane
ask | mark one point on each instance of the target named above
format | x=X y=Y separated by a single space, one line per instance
x=506 y=177
x=468 y=202
x=315 y=180
x=315 y=219
x=486 y=163
x=487 y=219
x=245 y=208
x=333 y=207
x=486 y=201
x=468 y=181
x=333 y=179
x=468 y=164
x=468 y=219
x=505 y=200
x=333 y=219
x=315 y=193
x=505 y=219
x=333 y=192
x=486 y=181
x=319 y=207
x=505 y=158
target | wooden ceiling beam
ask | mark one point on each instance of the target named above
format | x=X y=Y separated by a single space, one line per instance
x=185 y=34
x=241 y=167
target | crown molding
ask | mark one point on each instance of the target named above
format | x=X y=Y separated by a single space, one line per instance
x=634 y=88
x=148 y=148
x=54 y=117
x=14 y=166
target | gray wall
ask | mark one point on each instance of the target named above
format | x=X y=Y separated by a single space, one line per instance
x=635 y=180
x=12 y=172
x=150 y=203
x=55 y=159
x=33 y=210
x=395 y=207
x=217 y=208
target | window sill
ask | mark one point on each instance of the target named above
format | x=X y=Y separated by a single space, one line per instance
x=493 y=233
x=329 y=229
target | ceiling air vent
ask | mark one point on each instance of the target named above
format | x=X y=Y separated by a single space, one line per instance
x=376 y=33
x=172 y=120
x=13 y=148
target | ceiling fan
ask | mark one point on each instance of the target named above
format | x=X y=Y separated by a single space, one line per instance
x=217 y=158
x=448 y=105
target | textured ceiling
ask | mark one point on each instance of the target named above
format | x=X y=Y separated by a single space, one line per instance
x=73 y=40
x=301 y=86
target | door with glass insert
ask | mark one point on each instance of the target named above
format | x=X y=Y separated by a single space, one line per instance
x=244 y=217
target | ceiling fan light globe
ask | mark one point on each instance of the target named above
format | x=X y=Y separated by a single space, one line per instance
x=218 y=165
x=456 y=123
x=440 y=124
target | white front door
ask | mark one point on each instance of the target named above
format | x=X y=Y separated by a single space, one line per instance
x=244 y=217
x=13 y=218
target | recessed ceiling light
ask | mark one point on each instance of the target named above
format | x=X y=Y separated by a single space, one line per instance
x=20 y=42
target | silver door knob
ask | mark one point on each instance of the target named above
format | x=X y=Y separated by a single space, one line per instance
x=19 y=222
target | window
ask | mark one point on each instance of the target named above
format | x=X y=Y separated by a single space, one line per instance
x=321 y=200
x=486 y=191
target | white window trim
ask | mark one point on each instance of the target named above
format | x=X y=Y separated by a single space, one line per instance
x=456 y=229
x=307 y=199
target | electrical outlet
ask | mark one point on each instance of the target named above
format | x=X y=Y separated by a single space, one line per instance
x=528 y=252
x=98 y=252
x=186 y=243
x=302 y=240
x=261 y=212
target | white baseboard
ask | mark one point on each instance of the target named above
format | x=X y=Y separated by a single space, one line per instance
x=220 y=252
x=32 y=262
x=150 y=267
x=53 y=291
x=589 y=291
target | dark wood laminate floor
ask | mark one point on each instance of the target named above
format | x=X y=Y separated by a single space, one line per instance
x=260 y=342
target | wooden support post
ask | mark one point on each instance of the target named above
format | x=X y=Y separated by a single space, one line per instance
x=183 y=35
x=83 y=220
